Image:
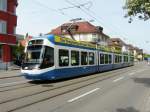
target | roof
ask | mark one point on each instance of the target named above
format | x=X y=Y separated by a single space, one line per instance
x=83 y=27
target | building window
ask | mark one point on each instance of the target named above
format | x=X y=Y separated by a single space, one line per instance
x=0 y=53
x=3 y=27
x=74 y=58
x=94 y=35
x=14 y=29
x=84 y=58
x=63 y=57
x=3 y=5
x=91 y=58
x=15 y=9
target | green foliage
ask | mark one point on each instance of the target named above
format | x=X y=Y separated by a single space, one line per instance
x=17 y=50
x=140 y=8
x=146 y=55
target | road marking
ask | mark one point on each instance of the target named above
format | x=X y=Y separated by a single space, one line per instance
x=133 y=73
x=120 y=78
x=85 y=94
x=13 y=83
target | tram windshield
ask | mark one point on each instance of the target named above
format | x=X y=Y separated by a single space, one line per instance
x=33 y=54
x=33 y=57
x=38 y=56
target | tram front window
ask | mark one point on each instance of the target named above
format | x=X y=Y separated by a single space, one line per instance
x=39 y=57
x=33 y=57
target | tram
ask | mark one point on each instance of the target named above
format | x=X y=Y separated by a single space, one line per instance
x=52 y=57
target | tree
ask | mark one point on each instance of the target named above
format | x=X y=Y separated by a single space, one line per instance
x=139 y=8
x=18 y=52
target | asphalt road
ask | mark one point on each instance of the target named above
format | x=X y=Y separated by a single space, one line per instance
x=126 y=90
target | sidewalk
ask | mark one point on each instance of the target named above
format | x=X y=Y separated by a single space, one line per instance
x=9 y=73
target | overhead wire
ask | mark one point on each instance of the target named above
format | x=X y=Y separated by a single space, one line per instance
x=51 y=9
x=85 y=10
x=61 y=10
x=91 y=14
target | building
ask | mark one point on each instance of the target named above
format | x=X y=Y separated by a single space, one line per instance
x=82 y=31
x=19 y=38
x=25 y=41
x=138 y=54
x=131 y=48
x=118 y=45
x=8 y=23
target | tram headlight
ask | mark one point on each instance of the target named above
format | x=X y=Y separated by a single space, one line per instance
x=25 y=68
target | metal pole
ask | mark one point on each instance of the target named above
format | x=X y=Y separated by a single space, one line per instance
x=6 y=66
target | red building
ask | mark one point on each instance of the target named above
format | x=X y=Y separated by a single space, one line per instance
x=8 y=23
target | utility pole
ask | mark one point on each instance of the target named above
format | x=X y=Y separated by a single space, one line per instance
x=70 y=27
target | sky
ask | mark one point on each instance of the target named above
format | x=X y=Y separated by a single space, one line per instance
x=41 y=16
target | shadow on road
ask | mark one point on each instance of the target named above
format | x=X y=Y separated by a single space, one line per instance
x=145 y=81
x=128 y=109
x=58 y=80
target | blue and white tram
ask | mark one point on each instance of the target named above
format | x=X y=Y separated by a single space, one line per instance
x=52 y=57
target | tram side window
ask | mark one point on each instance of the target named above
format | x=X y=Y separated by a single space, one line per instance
x=106 y=59
x=91 y=58
x=120 y=59
x=102 y=58
x=131 y=59
x=116 y=59
x=84 y=58
x=110 y=59
x=74 y=58
x=125 y=58
x=63 y=57
x=48 y=60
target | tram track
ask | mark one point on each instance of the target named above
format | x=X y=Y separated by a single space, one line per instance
x=14 y=87
x=28 y=84
x=8 y=77
x=23 y=101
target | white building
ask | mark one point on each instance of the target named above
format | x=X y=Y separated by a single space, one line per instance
x=82 y=31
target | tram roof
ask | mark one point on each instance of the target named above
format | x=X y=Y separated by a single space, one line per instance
x=58 y=40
